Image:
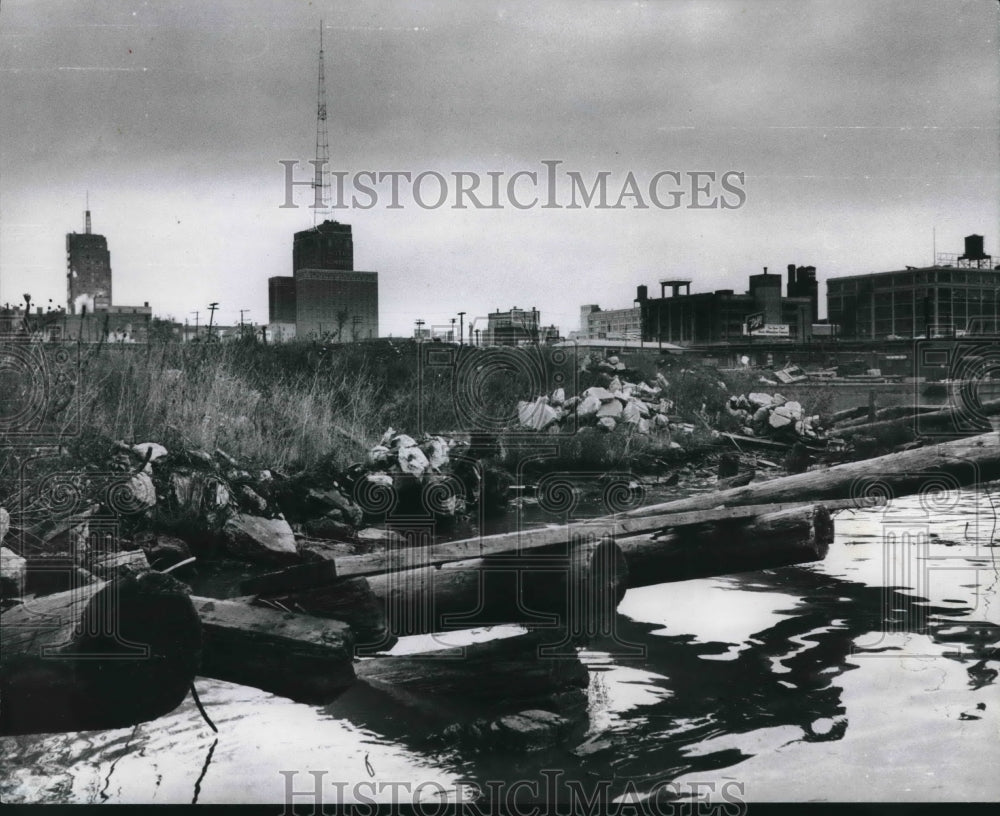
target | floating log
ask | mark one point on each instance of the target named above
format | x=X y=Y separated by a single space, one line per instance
x=304 y=658
x=965 y=461
x=778 y=539
x=107 y=655
x=350 y=600
x=490 y=678
x=574 y=587
x=948 y=420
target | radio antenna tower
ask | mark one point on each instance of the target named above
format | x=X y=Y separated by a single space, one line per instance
x=321 y=182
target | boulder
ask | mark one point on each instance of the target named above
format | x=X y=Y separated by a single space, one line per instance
x=606 y=423
x=435 y=449
x=537 y=415
x=558 y=396
x=779 y=420
x=661 y=421
x=249 y=499
x=759 y=399
x=329 y=529
x=412 y=460
x=588 y=407
x=612 y=409
x=163 y=551
x=257 y=538
x=157 y=450
x=601 y=394
x=631 y=413
x=403 y=441
x=380 y=457
x=13 y=573
x=532 y=730
x=615 y=385
x=643 y=427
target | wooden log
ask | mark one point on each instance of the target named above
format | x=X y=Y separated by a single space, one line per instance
x=304 y=658
x=965 y=461
x=778 y=539
x=484 y=679
x=107 y=655
x=571 y=588
x=301 y=576
x=942 y=421
x=892 y=412
x=350 y=600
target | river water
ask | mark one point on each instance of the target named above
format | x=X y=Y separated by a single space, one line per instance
x=869 y=676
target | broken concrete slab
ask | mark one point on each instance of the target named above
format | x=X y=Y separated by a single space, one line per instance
x=257 y=538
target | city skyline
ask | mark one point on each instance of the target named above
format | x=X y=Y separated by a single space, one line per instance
x=856 y=141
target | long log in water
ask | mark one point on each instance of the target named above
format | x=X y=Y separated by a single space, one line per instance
x=964 y=462
x=768 y=541
x=304 y=658
x=107 y=655
x=498 y=676
x=946 y=421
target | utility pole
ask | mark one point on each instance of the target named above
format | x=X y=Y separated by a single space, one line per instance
x=242 y=312
x=211 y=316
x=196 y=313
x=452 y=335
x=420 y=326
x=461 y=326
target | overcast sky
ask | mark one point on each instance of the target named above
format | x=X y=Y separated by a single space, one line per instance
x=860 y=126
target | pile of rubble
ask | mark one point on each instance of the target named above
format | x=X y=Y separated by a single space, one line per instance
x=639 y=406
x=771 y=415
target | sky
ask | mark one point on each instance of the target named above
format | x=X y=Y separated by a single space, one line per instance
x=866 y=134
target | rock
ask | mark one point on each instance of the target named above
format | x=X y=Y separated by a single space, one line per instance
x=777 y=420
x=257 y=538
x=729 y=465
x=631 y=413
x=643 y=427
x=163 y=551
x=249 y=499
x=661 y=421
x=387 y=437
x=403 y=441
x=588 y=407
x=537 y=415
x=615 y=386
x=613 y=360
x=601 y=394
x=558 y=396
x=661 y=381
x=380 y=457
x=157 y=450
x=412 y=461
x=329 y=529
x=141 y=495
x=777 y=399
x=571 y=403
x=759 y=400
x=13 y=573
x=606 y=423
x=436 y=451
x=531 y=730
x=612 y=409
x=332 y=499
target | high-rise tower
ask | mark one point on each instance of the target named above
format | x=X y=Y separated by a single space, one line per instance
x=88 y=276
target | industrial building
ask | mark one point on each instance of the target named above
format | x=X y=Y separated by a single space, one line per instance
x=329 y=245
x=959 y=294
x=609 y=324
x=338 y=305
x=723 y=316
x=517 y=327
x=324 y=297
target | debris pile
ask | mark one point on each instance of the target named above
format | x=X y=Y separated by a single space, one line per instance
x=772 y=416
x=639 y=406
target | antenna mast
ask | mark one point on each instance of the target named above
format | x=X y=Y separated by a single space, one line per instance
x=321 y=182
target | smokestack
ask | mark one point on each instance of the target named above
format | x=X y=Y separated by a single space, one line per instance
x=765 y=270
x=86 y=222
x=791 y=274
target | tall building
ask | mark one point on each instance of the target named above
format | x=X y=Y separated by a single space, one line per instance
x=958 y=294
x=338 y=305
x=802 y=283
x=281 y=299
x=610 y=324
x=88 y=276
x=329 y=245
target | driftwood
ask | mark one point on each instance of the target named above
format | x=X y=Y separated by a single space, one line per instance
x=947 y=421
x=768 y=541
x=497 y=676
x=574 y=588
x=964 y=461
x=297 y=656
x=107 y=655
